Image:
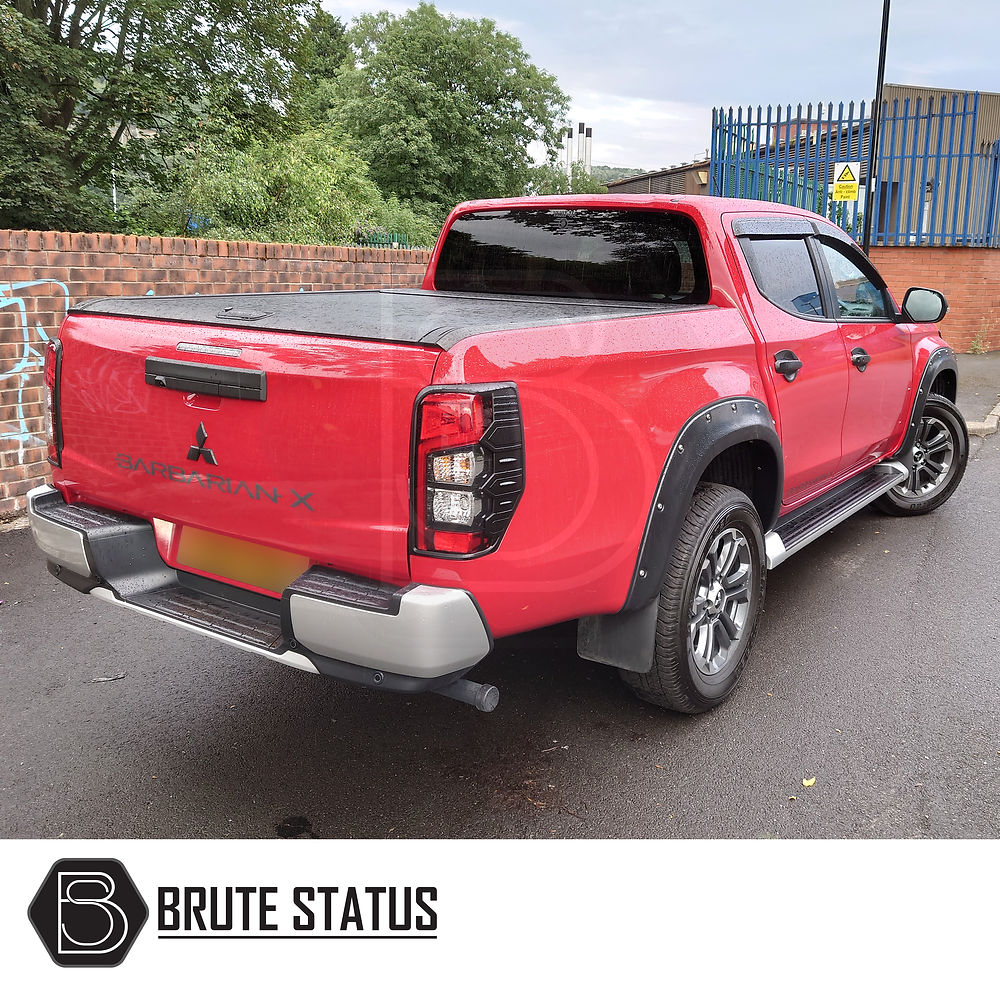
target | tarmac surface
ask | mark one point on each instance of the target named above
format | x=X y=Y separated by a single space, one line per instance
x=876 y=672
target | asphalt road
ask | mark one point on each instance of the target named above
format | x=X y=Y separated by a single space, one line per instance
x=876 y=672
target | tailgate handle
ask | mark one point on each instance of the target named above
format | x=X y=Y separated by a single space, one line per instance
x=208 y=380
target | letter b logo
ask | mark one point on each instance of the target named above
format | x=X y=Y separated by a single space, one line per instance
x=88 y=912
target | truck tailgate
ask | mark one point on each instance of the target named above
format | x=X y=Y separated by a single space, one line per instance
x=293 y=442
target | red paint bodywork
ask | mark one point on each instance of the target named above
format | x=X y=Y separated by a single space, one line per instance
x=602 y=403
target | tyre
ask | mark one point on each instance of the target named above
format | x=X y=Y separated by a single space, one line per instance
x=709 y=605
x=940 y=452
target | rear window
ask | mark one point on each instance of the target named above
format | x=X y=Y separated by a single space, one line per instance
x=576 y=253
x=784 y=273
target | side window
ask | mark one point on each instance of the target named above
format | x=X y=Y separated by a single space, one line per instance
x=784 y=273
x=858 y=296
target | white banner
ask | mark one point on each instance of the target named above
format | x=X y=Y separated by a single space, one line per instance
x=499 y=918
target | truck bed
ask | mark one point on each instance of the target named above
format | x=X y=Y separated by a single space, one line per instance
x=402 y=316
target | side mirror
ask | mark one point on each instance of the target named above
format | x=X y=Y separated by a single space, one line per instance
x=924 y=305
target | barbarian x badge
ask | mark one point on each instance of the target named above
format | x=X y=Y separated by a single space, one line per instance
x=199 y=450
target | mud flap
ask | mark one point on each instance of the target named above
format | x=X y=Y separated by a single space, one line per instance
x=625 y=640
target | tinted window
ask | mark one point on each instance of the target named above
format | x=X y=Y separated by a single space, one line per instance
x=578 y=253
x=784 y=273
x=857 y=295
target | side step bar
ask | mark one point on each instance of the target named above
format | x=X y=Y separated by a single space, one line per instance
x=796 y=530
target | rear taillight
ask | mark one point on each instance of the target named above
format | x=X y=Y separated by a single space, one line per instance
x=53 y=422
x=468 y=468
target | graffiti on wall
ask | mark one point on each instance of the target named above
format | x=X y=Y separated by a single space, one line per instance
x=24 y=370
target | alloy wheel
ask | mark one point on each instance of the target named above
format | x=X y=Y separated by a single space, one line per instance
x=721 y=604
x=933 y=460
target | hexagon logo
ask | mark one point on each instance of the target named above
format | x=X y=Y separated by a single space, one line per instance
x=88 y=912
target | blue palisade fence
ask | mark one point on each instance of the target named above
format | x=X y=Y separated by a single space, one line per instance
x=936 y=183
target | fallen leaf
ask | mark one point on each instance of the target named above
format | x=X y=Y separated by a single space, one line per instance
x=793 y=798
x=808 y=782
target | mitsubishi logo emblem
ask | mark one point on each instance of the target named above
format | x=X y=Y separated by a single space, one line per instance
x=199 y=450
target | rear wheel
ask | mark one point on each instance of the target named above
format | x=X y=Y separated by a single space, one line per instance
x=709 y=605
x=940 y=452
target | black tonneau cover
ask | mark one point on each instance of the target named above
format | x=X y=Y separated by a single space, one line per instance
x=406 y=316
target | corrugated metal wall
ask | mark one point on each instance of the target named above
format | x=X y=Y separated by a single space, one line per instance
x=686 y=179
x=988 y=123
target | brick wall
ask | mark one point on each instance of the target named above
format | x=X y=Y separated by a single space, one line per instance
x=40 y=273
x=969 y=278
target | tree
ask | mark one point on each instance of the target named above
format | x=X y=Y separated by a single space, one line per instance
x=311 y=187
x=444 y=108
x=550 y=178
x=605 y=174
x=322 y=55
x=88 y=87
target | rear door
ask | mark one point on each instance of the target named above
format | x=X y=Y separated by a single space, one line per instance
x=878 y=348
x=783 y=276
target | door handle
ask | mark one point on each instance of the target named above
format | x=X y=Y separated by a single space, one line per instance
x=787 y=363
x=860 y=358
x=207 y=380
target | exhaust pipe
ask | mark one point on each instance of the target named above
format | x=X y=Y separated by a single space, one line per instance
x=484 y=697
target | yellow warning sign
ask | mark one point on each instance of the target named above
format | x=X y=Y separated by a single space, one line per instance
x=846 y=180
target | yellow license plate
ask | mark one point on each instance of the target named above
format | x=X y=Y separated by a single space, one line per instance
x=233 y=559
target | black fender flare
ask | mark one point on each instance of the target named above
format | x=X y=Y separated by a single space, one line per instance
x=707 y=434
x=943 y=359
x=626 y=639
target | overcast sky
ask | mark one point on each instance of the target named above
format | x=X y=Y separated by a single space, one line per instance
x=646 y=75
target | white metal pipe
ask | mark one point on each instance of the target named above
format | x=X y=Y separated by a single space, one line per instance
x=588 y=145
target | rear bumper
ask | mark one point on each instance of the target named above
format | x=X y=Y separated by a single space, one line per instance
x=398 y=638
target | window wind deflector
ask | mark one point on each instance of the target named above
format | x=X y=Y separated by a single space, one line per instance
x=207 y=380
x=772 y=225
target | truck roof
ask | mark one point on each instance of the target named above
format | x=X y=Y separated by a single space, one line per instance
x=698 y=205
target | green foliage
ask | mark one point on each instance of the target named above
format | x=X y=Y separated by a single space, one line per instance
x=87 y=86
x=308 y=188
x=606 y=175
x=35 y=77
x=552 y=179
x=263 y=119
x=444 y=108
x=322 y=55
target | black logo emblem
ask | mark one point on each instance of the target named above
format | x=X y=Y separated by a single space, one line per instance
x=88 y=912
x=199 y=450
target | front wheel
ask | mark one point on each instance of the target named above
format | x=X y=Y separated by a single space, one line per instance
x=709 y=605
x=940 y=453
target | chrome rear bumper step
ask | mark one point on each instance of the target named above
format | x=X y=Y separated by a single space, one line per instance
x=796 y=530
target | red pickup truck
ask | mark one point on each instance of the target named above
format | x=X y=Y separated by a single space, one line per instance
x=618 y=410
